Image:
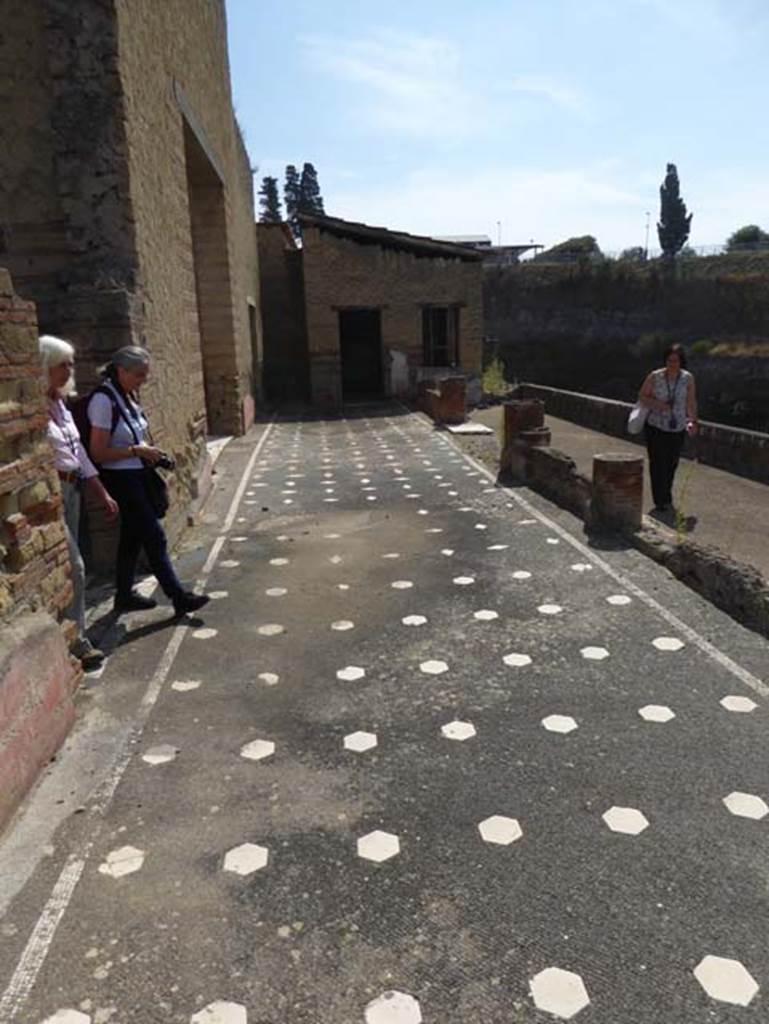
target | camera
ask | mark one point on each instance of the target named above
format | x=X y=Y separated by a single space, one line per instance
x=166 y=462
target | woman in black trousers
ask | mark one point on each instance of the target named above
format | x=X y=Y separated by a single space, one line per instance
x=670 y=396
x=118 y=444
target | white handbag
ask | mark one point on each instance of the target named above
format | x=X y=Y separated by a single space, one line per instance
x=637 y=418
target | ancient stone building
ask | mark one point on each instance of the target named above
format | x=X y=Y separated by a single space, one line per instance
x=126 y=204
x=37 y=677
x=379 y=310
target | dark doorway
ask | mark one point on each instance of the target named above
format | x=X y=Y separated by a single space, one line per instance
x=360 y=341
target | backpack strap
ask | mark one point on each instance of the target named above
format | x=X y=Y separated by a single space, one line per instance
x=104 y=390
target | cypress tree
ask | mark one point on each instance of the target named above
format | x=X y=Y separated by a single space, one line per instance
x=310 y=199
x=269 y=201
x=674 y=223
x=291 y=196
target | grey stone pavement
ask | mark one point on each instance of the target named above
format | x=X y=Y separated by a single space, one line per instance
x=426 y=757
x=731 y=512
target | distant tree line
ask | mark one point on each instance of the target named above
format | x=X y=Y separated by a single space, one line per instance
x=301 y=195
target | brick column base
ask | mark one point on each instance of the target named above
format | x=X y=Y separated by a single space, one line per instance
x=617 y=492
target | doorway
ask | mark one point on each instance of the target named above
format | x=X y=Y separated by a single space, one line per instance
x=360 y=343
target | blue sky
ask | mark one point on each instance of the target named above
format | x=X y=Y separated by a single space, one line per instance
x=553 y=117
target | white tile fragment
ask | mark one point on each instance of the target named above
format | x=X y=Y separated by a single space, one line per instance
x=668 y=643
x=121 y=862
x=746 y=805
x=360 y=741
x=458 y=730
x=351 y=673
x=414 y=620
x=517 y=660
x=271 y=629
x=627 y=820
x=726 y=980
x=500 y=830
x=185 y=685
x=257 y=750
x=559 y=992
x=559 y=723
x=246 y=858
x=161 y=754
x=378 y=846
x=393 y=1008
x=221 y=1012
x=656 y=713
x=594 y=653
x=742 y=705
x=433 y=667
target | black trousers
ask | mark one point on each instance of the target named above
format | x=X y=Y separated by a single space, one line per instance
x=139 y=528
x=664 y=448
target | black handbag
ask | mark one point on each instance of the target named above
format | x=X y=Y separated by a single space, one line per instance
x=157 y=491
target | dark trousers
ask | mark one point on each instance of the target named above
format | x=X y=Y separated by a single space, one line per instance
x=664 y=448
x=139 y=528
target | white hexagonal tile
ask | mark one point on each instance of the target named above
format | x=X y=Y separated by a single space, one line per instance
x=68 y=1017
x=401 y=584
x=271 y=629
x=618 y=599
x=746 y=805
x=743 y=705
x=121 y=862
x=221 y=1012
x=500 y=830
x=517 y=660
x=656 y=713
x=414 y=620
x=594 y=653
x=246 y=858
x=485 y=615
x=668 y=643
x=434 y=668
x=393 y=1008
x=559 y=723
x=257 y=750
x=351 y=673
x=160 y=755
x=582 y=567
x=627 y=820
x=276 y=592
x=559 y=992
x=270 y=678
x=360 y=741
x=204 y=633
x=185 y=685
x=378 y=846
x=464 y=581
x=458 y=730
x=726 y=980
x=448 y=552
x=549 y=609
x=342 y=625
x=521 y=574
x=278 y=561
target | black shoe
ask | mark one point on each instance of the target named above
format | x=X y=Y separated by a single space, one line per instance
x=188 y=602
x=133 y=602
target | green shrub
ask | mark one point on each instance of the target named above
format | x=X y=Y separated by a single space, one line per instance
x=701 y=347
x=493 y=378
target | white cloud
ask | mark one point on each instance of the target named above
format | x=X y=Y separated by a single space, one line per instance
x=549 y=205
x=418 y=86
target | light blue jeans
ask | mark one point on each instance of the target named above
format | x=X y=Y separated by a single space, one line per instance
x=70 y=494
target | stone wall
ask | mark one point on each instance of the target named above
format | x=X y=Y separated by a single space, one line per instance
x=601 y=328
x=120 y=162
x=745 y=452
x=341 y=273
x=286 y=370
x=37 y=677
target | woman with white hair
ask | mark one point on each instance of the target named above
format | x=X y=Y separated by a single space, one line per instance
x=75 y=471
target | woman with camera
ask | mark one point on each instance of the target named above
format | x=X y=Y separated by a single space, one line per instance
x=118 y=443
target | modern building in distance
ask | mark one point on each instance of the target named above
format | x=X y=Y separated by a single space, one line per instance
x=493 y=255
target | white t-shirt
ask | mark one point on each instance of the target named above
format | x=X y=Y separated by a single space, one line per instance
x=100 y=415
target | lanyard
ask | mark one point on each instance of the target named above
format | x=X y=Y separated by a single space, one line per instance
x=672 y=394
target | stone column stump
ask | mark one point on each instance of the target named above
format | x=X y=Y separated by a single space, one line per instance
x=522 y=416
x=617 y=492
x=453 y=400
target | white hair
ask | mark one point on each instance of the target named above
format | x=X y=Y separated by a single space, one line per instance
x=53 y=352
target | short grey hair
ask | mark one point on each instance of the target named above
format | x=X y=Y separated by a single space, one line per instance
x=130 y=356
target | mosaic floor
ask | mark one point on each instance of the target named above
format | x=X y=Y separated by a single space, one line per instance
x=423 y=760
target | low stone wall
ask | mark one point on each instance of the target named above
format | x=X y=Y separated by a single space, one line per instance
x=745 y=452
x=37 y=676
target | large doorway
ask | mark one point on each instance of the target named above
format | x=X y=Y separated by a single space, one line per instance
x=213 y=289
x=360 y=342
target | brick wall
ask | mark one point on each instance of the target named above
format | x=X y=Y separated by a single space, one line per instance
x=36 y=689
x=286 y=370
x=340 y=272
